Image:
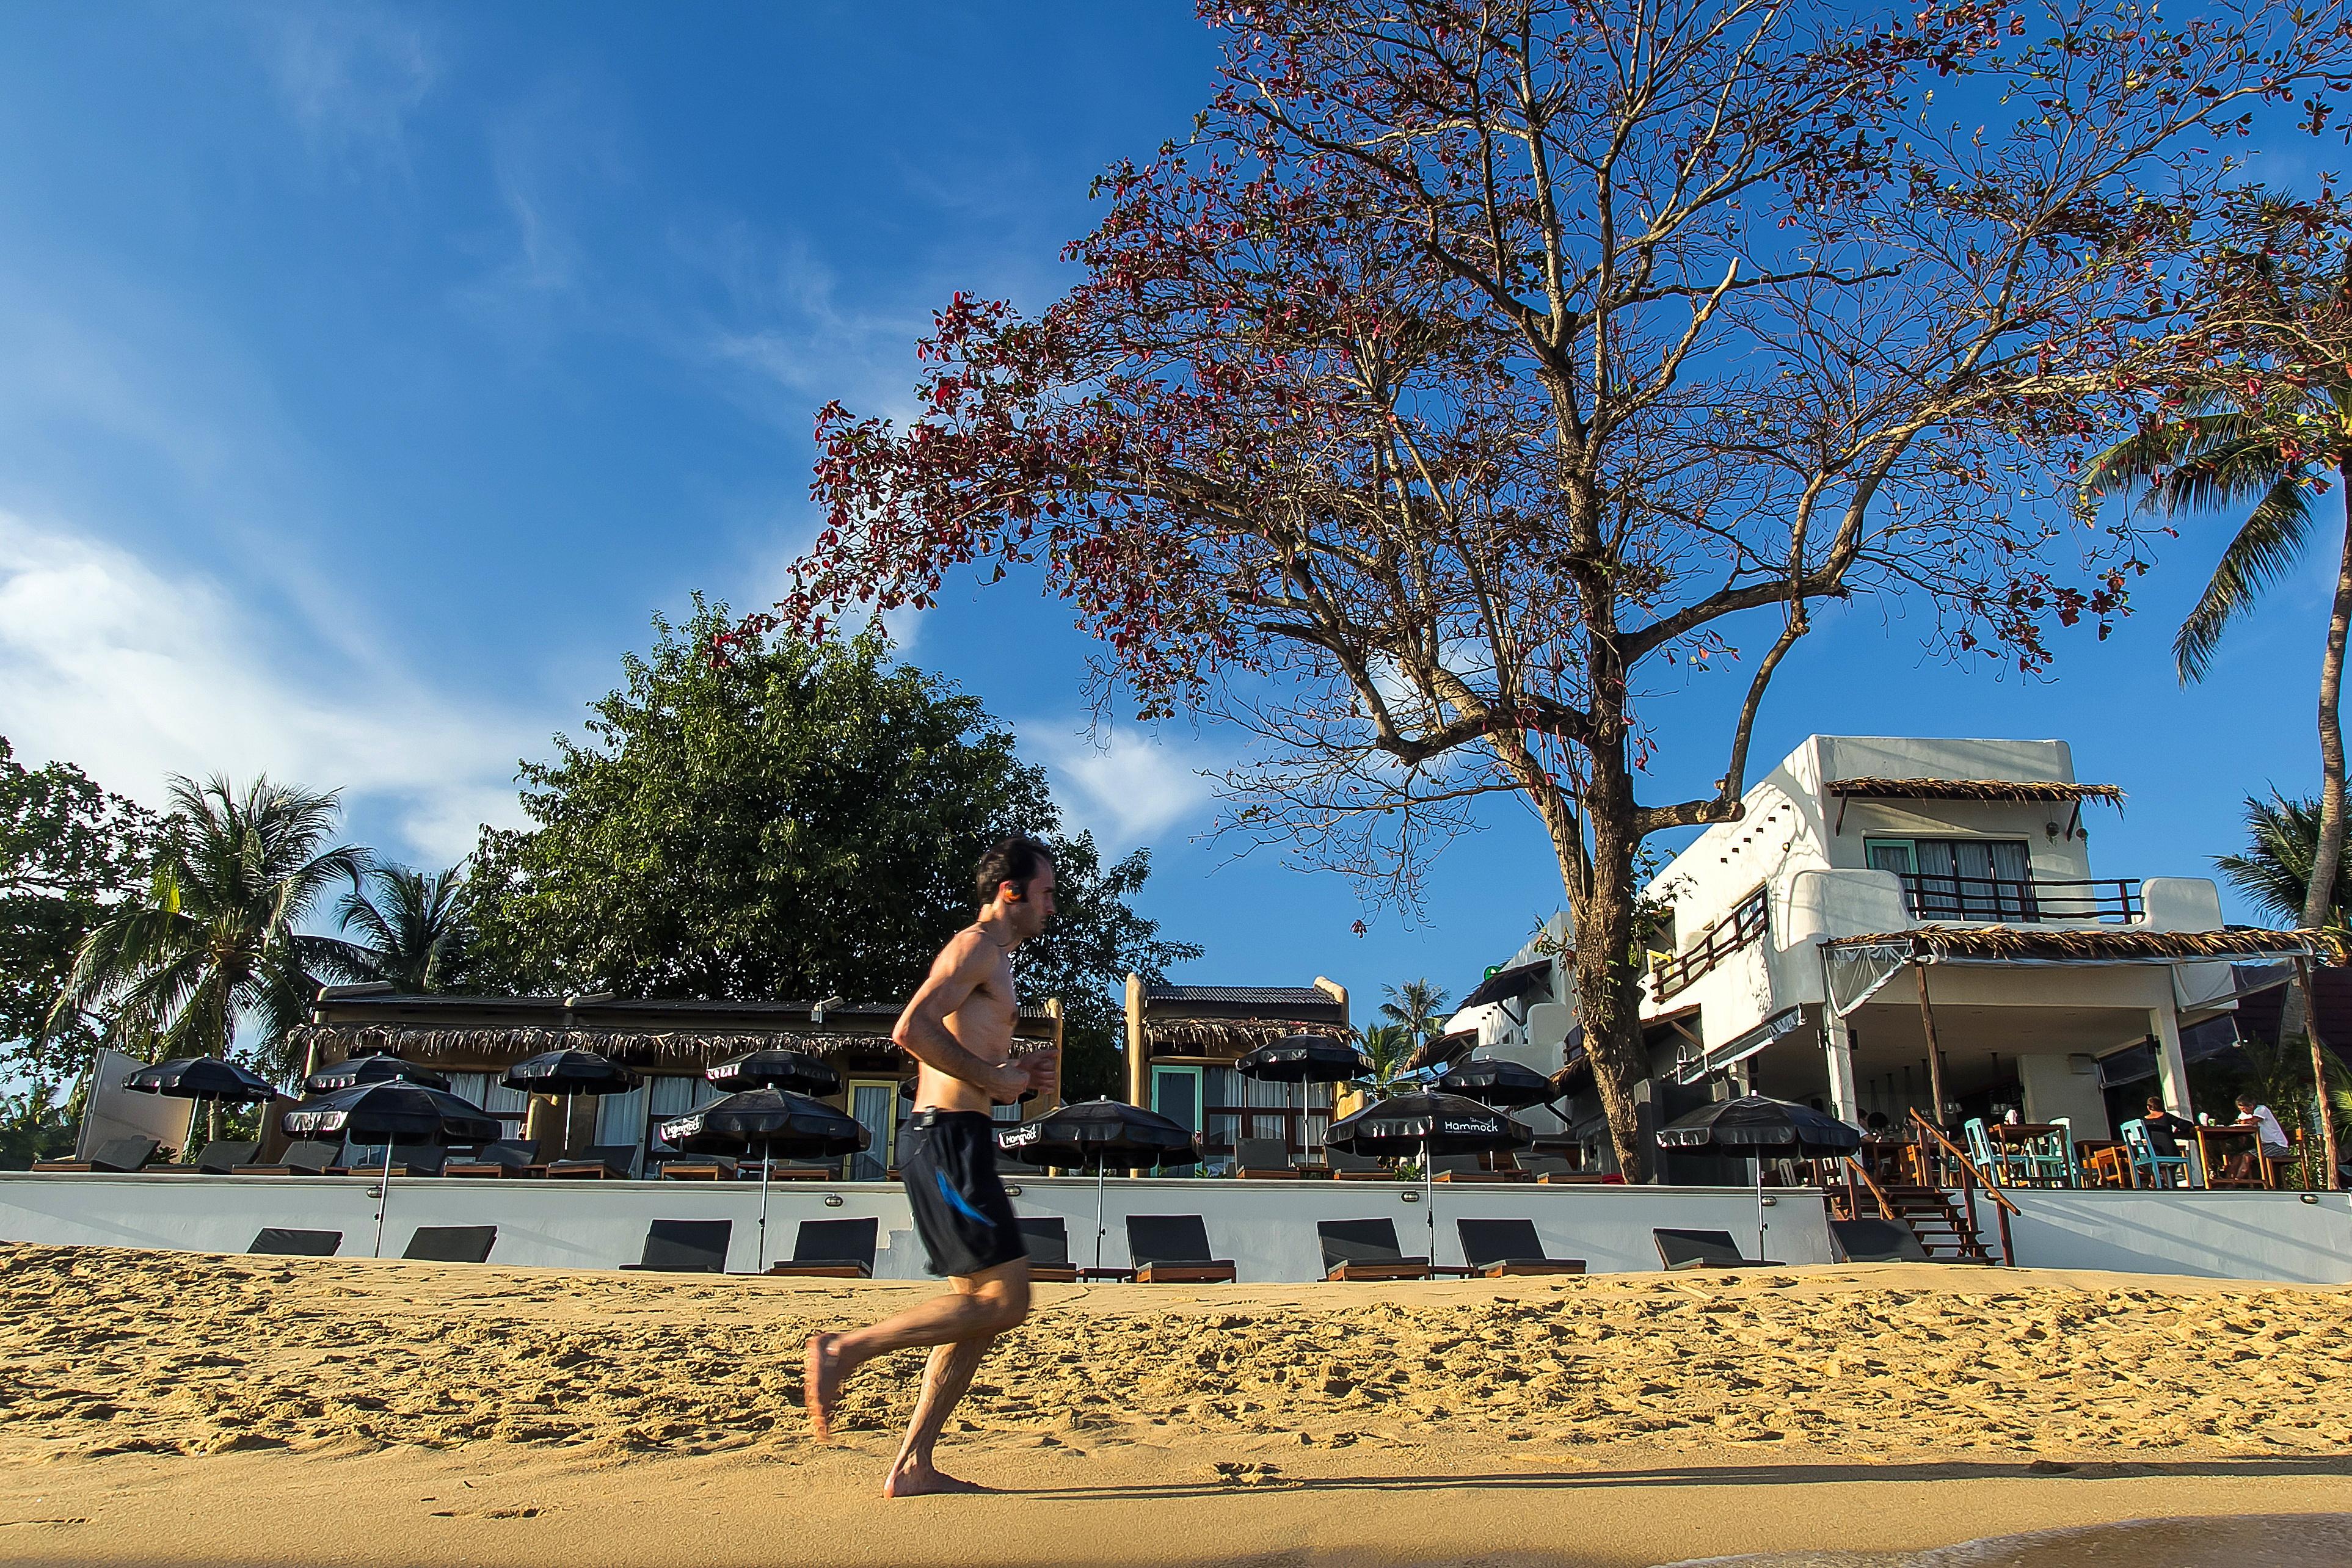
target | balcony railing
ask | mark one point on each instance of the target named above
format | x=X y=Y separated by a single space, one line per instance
x=1735 y=930
x=2002 y=900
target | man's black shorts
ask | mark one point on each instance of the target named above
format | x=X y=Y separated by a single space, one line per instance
x=948 y=1160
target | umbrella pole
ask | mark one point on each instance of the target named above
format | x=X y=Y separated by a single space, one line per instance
x=383 y=1195
x=1759 y=1205
x=1429 y=1198
x=1098 y=1212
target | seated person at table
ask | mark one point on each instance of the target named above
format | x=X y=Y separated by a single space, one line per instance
x=2267 y=1133
x=2166 y=1130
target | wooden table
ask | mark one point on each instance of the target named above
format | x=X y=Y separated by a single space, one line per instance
x=2024 y=1135
x=2213 y=1162
x=2106 y=1159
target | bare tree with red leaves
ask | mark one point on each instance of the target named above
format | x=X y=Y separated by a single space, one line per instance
x=1478 y=370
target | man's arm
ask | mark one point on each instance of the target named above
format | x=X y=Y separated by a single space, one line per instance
x=922 y=1031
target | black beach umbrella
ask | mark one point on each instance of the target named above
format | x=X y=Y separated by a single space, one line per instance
x=362 y=1069
x=1497 y=1082
x=1754 y=1125
x=1429 y=1125
x=790 y=1071
x=1101 y=1134
x=203 y=1078
x=1304 y=1059
x=397 y=1113
x=563 y=1074
x=773 y=1122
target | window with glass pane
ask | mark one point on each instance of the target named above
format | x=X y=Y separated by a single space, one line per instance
x=875 y=1107
x=1986 y=880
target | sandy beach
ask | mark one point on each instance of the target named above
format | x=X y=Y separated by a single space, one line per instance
x=190 y=1408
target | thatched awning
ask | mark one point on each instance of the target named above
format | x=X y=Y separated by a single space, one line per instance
x=2045 y=945
x=1508 y=984
x=682 y=1049
x=1443 y=1052
x=2005 y=789
x=1222 y=1036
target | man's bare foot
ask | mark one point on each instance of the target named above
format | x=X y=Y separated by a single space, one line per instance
x=821 y=1385
x=924 y=1481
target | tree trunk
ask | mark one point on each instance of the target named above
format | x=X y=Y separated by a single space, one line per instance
x=2320 y=896
x=1608 y=992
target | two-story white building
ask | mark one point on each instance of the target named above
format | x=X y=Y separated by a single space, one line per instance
x=1899 y=924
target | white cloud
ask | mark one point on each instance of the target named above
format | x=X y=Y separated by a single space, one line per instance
x=1129 y=788
x=135 y=675
x=350 y=75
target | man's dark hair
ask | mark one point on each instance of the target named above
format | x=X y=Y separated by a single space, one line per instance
x=1016 y=860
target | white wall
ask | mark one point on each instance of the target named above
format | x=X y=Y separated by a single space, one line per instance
x=1268 y=1228
x=2219 y=1234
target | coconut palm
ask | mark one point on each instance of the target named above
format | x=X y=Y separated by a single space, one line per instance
x=1388 y=1046
x=414 y=928
x=1417 y=1006
x=214 y=937
x=2272 y=452
x=2274 y=870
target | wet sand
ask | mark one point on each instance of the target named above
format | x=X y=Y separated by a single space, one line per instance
x=186 y=1408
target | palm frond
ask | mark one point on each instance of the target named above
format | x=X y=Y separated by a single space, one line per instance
x=2263 y=551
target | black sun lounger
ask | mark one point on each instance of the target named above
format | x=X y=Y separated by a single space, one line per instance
x=1366 y=1249
x=116 y=1156
x=831 y=1250
x=507 y=1158
x=275 y=1242
x=220 y=1157
x=1680 y=1249
x=1048 y=1240
x=1173 y=1249
x=1494 y=1247
x=603 y=1162
x=452 y=1244
x=686 y=1246
x=1876 y=1242
x=311 y=1156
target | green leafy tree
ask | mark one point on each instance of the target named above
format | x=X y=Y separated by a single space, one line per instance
x=1419 y=1007
x=1390 y=1045
x=2274 y=870
x=35 y=1125
x=69 y=850
x=214 y=938
x=769 y=817
x=414 y=928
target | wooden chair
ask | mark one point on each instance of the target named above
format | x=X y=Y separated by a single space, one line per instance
x=1496 y=1248
x=2147 y=1167
x=831 y=1250
x=1173 y=1249
x=116 y=1156
x=1366 y=1249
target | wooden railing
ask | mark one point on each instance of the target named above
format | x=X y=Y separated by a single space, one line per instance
x=1746 y=923
x=1936 y=895
x=1886 y=1208
x=1970 y=1179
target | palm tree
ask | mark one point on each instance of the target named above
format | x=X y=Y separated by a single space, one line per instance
x=213 y=939
x=2274 y=872
x=1390 y=1045
x=1418 y=1006
x=415 y=930
x=2224 y=451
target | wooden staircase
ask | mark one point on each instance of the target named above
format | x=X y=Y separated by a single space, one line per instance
x=1944 y=1231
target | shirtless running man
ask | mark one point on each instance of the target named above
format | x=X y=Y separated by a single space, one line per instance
x=959 y=1026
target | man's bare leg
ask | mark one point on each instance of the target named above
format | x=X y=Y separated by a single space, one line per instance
x=980 y=1307
x=946 y=1375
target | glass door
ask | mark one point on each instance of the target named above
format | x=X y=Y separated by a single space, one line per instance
x=874 y=1103
x=1176 y=1095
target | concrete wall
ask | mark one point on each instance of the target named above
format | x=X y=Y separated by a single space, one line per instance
x=1268 y=1228
x=2218 y=1235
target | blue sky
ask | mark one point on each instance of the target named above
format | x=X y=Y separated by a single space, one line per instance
x=372 y=375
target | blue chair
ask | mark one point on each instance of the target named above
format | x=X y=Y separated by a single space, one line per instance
x=2049 y=1159
x=2147 y=1163
x=2000 y=1164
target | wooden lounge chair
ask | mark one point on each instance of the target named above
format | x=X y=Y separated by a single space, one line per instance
x=1173 y=1249
x=698 y=1167
x=684 y=1247
x=1679 y=1249
x=310 y=1156
x=1345 y=1167
x=1263 y=1159
x=1495 y=1247
x=1048 y=1240
x=116 y=1156
x=220 y=1157
x=1875 y=1241
x=451 y=1244
x=276 y=1242
x=1470 y=1167
x=604 y=1161
x=507 y=1158
x=407 y=1159
x=1366 y=1249
x=831 y=1250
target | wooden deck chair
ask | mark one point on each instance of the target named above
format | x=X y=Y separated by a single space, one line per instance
x=116 y=1156
x=604 y=1161
x=1875 y=1241
x=1679 y=1249
x=1495 y=1247
x=1460 y=1167
x=407 y=1159
x=684 y=1247
x=506 y=1158
x=307 y=1157
x=1173 y=1249
x=451 y=1244
x=276 y=1242
x=831 y=1250
x=1345 y=1167
x=697 y=1167
x=220 y=1157
x=1366 y=1249
x=1263 y=1159
x=1048 y=1240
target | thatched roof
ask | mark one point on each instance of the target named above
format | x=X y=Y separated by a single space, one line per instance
x=1443 y=1052
x=1235 y=1035
x=1972 y=789
x=674 y=1047
x=2048 y=945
